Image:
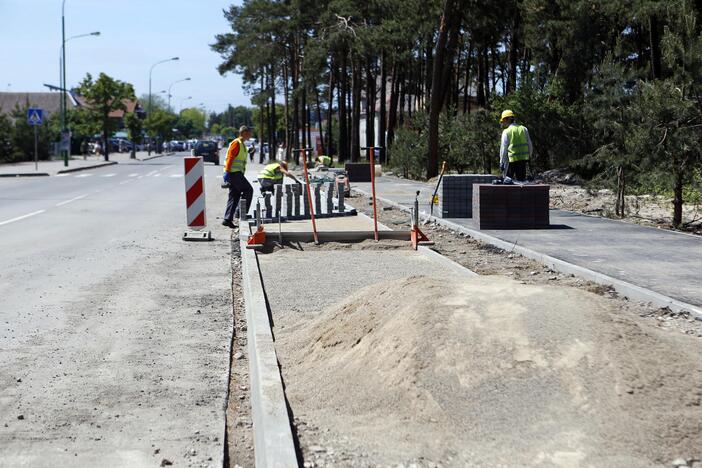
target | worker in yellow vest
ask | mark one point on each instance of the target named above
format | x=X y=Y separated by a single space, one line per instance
x=234 y=170
x=323 y=160
x=273 y=174
x=516 y=148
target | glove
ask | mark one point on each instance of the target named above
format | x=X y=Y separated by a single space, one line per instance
x=226 y=177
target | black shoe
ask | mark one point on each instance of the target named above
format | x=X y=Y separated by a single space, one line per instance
x=229 y=224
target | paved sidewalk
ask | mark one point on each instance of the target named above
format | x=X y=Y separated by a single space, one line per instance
x=663 y=261
x=53 y=167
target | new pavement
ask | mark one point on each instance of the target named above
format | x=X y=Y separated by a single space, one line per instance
x=664 y=261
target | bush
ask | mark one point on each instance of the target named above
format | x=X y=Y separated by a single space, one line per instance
x=409 y=151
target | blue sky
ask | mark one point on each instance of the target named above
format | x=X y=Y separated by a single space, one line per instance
x=134 y=35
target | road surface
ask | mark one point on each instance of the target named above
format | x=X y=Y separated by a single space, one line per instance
x=114 y=333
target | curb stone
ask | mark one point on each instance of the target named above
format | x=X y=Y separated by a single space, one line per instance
x=85 y=168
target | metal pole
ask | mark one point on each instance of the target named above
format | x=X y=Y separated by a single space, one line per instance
x=36 y=150
x=63 y=100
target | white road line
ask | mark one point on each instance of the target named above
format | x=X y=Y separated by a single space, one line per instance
x=109 y=175
x=157 y=175
x=176 y=175
x=21 y=217
x=84 y=175
x=62 y=175
x=133 y=174
x=66 y=202
x=151 y=173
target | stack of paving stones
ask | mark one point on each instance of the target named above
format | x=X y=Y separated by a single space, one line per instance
x=511 y=206
x=358 y=172
x=291 y=202
x=456 y=200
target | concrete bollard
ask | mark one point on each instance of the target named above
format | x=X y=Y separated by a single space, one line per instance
x=317 y=199
x=289 y=201
x=296 y=199
x=342 y=189
x=267 y=204
x=305 y=202
x=278 y=200
x=330 y=198
x=242 y=211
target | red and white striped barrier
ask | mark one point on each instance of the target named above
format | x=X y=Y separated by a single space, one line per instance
x=195 y=192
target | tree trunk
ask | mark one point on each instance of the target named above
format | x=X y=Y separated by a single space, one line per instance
x=482 y=101
x=466 y=87
x=514 y=52
x=620 y=207
x=286 y=112
x=678 y=184
x=330 y=139
x=655 y=44
x=343 y=134
x=308 y=119
x=383 y=96
x=303 y=117
x=429 y=68
x=356 y=110
x=394 y=96
x=448 y=32
x=370 y=103
x=319 y=119
x=296 y=107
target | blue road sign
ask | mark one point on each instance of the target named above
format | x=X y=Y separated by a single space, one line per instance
x=35 y=116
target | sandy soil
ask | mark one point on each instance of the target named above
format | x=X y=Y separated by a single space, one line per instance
x=648 y=210
x=492 y=372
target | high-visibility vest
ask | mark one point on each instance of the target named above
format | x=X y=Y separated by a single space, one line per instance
x=271 y=171
x=239 y=161
x=518 y=149
x=325 y=160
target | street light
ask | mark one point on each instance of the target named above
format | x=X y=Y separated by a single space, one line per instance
x=169 y=91
x=152 y=69
x=62 y=79
x=183 y=100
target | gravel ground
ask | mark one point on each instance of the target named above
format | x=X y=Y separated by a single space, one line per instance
x=240 y=450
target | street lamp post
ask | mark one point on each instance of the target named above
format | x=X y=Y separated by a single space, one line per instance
x=63 y=96
x=169 y=91
x=182 y=101
x=150 y=71
x=62 y=84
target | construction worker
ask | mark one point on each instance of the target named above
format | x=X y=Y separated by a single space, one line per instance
x=273 y=174
x=325 y=161
x=516 y=147
x=234 y=169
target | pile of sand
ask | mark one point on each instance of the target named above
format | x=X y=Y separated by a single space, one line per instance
x=489 y=371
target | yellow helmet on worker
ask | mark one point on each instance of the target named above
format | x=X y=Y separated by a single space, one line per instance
x=506 y=115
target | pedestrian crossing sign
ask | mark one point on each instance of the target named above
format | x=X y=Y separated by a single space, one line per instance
x=35 y=116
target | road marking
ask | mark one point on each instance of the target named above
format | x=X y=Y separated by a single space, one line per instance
x=66 y=202
x=109 y=175
x=133 y=174
x=151 y=173
x=84 y=175
x=176 y=175
x=21 y=217
x=157 y=175
x=62 y=175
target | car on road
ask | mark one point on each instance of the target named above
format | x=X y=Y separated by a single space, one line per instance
x=208 y=150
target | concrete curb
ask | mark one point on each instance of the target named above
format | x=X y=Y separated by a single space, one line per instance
x=273 y=440
x=155 y=156
x=626 y=289
x=85 y=168
x=26 y=174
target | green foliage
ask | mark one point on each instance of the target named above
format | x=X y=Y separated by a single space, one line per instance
x=408 y=153
x=17 y=137
x=159 y=124
x=470 y=142
x=191 y=122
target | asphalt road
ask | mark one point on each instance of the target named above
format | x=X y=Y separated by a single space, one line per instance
x=114 y=333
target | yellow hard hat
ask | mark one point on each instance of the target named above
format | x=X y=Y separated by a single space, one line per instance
x=506 y=114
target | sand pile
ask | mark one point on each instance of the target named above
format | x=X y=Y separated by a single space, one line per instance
x=491 y=372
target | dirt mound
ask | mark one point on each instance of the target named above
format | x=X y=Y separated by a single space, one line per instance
x=491 y=372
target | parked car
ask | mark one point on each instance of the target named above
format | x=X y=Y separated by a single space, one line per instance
x=208 y=150
x=176 y=145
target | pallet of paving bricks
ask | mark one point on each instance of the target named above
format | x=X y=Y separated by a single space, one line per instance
x=456 y=200
x=291 y=203
x=511 y=206
x=358 y=172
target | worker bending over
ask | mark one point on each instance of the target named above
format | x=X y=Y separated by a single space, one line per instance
x=234 y=169
x=273 y=174
x=516 y=148
x=325 y=161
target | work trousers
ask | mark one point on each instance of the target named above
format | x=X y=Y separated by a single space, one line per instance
x=268 y=185
x=238 y=187
x=517 y=170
